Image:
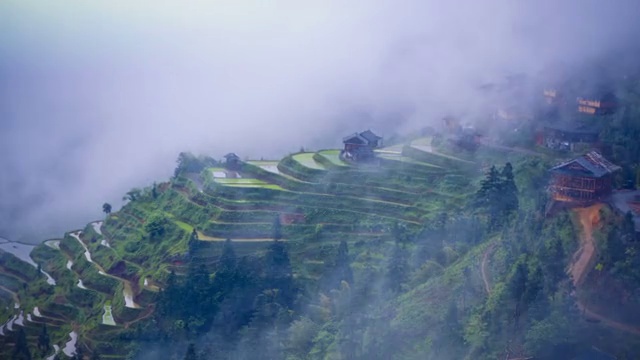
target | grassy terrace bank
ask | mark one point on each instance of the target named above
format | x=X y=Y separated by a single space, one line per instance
x=331 y=201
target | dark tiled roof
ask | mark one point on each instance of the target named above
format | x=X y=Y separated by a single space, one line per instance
x=354 y=138
x=370 y=136
x=231 y=156
x=593 y=162
x=364 y=137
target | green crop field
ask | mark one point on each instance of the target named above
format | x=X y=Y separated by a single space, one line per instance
x=333 y=156
x=306 y=159
x=411 y=206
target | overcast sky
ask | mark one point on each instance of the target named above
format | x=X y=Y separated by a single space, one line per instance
x=98 y=97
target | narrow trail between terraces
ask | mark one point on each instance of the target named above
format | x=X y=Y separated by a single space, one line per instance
x=583 y=261
x=483 y=267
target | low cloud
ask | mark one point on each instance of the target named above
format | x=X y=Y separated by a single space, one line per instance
x=100 y=97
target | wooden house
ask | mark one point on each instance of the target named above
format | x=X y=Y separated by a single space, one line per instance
x=232 y=161
x=360 y=146
x=552 y=96
x=569 y=135
x=597 y=103
x=585 y=179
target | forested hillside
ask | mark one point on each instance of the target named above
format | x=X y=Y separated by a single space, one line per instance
x=432 y=251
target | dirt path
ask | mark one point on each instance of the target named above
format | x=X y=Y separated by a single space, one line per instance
x=583 y=261
x=606 y=321
x=584 y=257
x=148 y=312
x=483 y=267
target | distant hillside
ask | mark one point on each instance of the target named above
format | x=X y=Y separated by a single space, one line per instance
x=419 y=253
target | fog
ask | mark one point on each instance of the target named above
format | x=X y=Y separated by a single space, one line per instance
x=99 y=97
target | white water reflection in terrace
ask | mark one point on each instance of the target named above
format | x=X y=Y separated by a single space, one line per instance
x=87 y=254
x=70 y=346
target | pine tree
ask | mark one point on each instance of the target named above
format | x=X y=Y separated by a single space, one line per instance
x=553 y=259
x=277 y=228
x=534 y=286
x=44 y=342
x=191 y=353
x=154 y=191
x=489 y=196
x=228 y=258
x=338 y=270
x=343 y=264
x=518 y=287
x=397 y=269
x=170 y=296
x=278 y=272
x=227 y=271
x=509 y=190
x=194 y=244
x=79 y=354
x=21 y=349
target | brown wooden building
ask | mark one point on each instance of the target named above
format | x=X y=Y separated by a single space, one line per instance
x=232 y=161
x=585 y=179
x=360 y=146
x=597 y=103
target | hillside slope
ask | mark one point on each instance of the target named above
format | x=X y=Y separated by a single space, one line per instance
x=381 y=260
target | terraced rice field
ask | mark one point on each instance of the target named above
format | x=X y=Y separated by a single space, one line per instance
x=270 y=166
x=333 y=156
x=395 y=149
x=306 y=159
x=248 y=240
x=358 y=204
x=428 y=149
x=425 y=141
x=218 y=173
x=247 y=183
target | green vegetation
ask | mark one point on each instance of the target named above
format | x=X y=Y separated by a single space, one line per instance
x=420 y=255
x=307 y=160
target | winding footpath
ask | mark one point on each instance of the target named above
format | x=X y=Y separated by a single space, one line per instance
x=483 y=267
x=583 y=261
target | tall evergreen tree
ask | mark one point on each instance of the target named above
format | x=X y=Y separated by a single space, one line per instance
x=489 y=196
x=79 y=354
x=509 y=190
x=170 y=296
x=228 y=258
x=277 y=228
x=338 y=270
x=44 y=342
x=343 y=263
x=397 y=269
x=106 y=208
x=278 y=272
x=194 y=244
x=21 y=349
x=518 y=287
x=191 y=352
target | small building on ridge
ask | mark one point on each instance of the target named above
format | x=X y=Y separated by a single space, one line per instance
x=232 y=161
x=360 y=146
x=584 y=180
